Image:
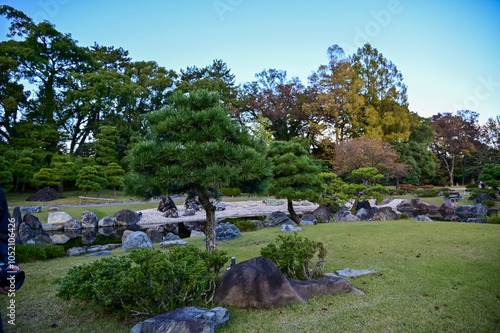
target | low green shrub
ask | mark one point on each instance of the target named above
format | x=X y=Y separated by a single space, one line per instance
x=404 y=216
x=489 y=203
x=245 y=225
x=473 y=197
x=494 y=219
x=428 y=192
x=147 y=280
x=400 y=192
x=32 y=252
x=446 y=194
x=294 y=255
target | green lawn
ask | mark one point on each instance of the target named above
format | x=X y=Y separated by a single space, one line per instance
x=434 y=277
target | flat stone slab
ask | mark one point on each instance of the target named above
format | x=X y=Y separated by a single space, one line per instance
x=347 y=272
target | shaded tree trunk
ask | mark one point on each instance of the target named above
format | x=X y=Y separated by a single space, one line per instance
x=210 y=221
x=295 y=217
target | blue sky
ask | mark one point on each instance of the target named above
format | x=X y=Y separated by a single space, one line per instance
x=448 y=51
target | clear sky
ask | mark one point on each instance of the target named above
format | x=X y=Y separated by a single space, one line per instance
x=448 y=51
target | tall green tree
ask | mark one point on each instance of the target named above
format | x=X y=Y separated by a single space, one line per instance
x=23 y=170
x=6 y=176
x=45 y=177
x=195 y=146
x=296 y=175
x=64 y=168
x=105 y=146
x=419 y=158
x=114 y=174
x=91 y=178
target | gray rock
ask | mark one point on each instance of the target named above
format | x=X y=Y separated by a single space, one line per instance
x=259 y=283
x=274 y=202
x=154 y=235
x=289 y=228
x=277 y=219
x=323 y=214
x=219 y=206
x=188 y=319
x=170 y=237
x=385 y=214
x=226 y=231
x=98 y=254
x=346 y=216
x=193 y=202
x=59 y=218
x=75 y=251
x=25 y=233
x=422 y=218
x=309 y=216
x=31 y=209
x=190 y=226
x=448 y=207
x=106 y=222
x=347 y=272
x=195 y=233
x=53 y=209
x=363 y=214
x=34 y=223
x=306 y=222
x=126 y=217
x=59 y=239
x=468 y=211
x=482 y=197
x=45 y=194
x=167 y=244
x=89 y=220
x=480 y=210
x=168 y=207
x=135 y=240
x=363 y=204
x=106 y=231
x=306 y=203
x=72 y=225
x=72 y=233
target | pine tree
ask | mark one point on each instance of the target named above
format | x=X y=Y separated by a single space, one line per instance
x=296 y=175
x=91 y=178
x=195 y=146
x=105 y=146
x=114 y=174
x=45 y=177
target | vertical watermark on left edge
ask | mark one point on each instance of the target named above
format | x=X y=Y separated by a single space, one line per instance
x=11 y=273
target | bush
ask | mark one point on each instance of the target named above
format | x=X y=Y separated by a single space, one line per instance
x=30 y=252
x=488 y=203
x=400 y=192
x=494 y=219
x=147 y=280
x=404 y=216
x=245 y=225
x=230 y=192
x=293 y=255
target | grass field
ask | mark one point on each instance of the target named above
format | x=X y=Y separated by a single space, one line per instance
x=434 y=277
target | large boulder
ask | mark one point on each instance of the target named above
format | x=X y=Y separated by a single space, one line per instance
x=135 y=240
x=25 y=233
x=448 y=207
x=323 y=214
x=346 y=216
x=468 y=211
x=170 y=237
x=226 y=231
x=188 y=319
x=59 y=218
x=72 y=225
x=154 y=235
x=277 y=219
x=126 y=217
x=45 y=194
x=34 y=223
x=290 y=228
x=363 y=214
x=193 y=202
x=106 y=222
x=385 y=214
x=89 y=220
x=482 y=197
x=309 y=216
x=363 y=204
x=168 y=207
x=480 y=211
x=259 y=283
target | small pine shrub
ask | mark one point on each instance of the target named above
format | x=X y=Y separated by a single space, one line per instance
x=294 y=256
x=230 y=192
x=404 y=216
x=245 y=225
x=428 y=192
x=488 y=203
x=400 y=192
x=147 y=280
x=33 y=252
x=473 y=197
x=494 y=219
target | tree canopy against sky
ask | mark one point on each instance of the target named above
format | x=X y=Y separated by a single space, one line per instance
x=196 y=146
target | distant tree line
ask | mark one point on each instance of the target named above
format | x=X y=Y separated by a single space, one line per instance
x=70 y=115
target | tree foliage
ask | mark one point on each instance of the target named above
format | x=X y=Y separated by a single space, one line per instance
x=46 y=177
x=91 y=178
x=195 y=146
x=296 y=175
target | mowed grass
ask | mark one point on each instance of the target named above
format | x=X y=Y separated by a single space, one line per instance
x=433 y=277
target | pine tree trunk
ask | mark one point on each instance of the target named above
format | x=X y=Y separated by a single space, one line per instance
x=295 y=217
x=210 y=221
x=114 y=190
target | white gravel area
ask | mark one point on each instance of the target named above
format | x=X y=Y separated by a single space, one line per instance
x=233 y=209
